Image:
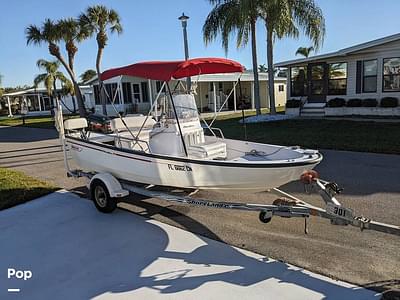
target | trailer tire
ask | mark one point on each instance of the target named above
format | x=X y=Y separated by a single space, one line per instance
x=265 y=217
x=101 y=197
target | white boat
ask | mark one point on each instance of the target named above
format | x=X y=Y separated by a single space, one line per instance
x=172 y=149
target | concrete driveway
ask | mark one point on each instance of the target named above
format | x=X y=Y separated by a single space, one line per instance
x=372 y=188
x=75 y=252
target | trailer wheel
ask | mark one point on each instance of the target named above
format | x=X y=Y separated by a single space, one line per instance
x=101 y=197
x=265 y=217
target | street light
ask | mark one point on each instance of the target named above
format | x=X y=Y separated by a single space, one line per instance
x=183 y=20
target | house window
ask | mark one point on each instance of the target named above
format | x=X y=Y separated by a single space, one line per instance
x=281 y=88
x=112 y=93
x=96 y=95
x=145 y=91
x=159 y=85
x=391 y=74
x=370 y=68
x=127 y=92
x=136 y=93
x=318 y=79
x=298 y=81
x=337 y=84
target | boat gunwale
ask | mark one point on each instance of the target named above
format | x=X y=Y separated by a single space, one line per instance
x=220 y=163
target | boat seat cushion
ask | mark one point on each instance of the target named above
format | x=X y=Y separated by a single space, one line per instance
x=74 y=124
x=132 y=122
x=210 y=150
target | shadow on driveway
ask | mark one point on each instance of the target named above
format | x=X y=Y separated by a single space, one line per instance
x=16 y=134
x=76 y=252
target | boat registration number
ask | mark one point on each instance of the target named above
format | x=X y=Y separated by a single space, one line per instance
x=339 y=211
x=179 y=168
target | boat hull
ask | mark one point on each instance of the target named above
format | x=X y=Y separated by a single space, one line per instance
x=182 y=172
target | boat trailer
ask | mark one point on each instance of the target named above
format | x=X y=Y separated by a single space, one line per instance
x=286 y=206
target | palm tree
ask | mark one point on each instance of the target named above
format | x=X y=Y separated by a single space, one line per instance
x=87 y=75
x=240 y=17
x=50 y=33
x=98 y=20
x=262 y=68
x=67 y=88
x=49 y=77
x=284 y=18
x=72 y=33
x=305 y=51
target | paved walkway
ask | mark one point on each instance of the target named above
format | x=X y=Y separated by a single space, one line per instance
x=75 y=252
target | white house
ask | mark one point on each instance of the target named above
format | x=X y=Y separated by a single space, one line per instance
x=39 y=102
x=368 y=70
x=133 y=94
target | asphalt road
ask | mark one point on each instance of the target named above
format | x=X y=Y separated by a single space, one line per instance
x=371 y=185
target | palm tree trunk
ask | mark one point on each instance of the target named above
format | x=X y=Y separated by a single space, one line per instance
x=81 y=105
x=255 y=69
x=71 y=59
x=73 y=103
x=53 y=95
x=271 y=79
x=101 y=94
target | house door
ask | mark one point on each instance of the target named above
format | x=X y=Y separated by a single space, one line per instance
x=317 y=82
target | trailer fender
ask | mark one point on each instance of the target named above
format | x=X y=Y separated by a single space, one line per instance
x=114 y=187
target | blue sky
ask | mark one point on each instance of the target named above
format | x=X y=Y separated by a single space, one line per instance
x=152 y=32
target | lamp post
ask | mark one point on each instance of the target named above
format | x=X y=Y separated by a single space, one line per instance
x=183 y=20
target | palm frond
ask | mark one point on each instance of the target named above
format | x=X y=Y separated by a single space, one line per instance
x=33 y=35
x=51 y=31
x=227 y=19
x=309 y=17
x=87 y=75
x=39 y=79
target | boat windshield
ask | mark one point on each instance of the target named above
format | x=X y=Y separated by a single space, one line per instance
x=185 y=106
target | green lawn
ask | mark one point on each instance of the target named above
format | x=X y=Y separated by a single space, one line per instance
x=38 y=122
x=364 y=136
x=17 y=188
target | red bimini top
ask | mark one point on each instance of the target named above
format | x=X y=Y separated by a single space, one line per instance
x=167 y=70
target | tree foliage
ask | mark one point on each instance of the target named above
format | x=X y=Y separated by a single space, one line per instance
x=97 y=21
x=50 y=76
x=305 y=51
x=235 y=17
x=87 y=75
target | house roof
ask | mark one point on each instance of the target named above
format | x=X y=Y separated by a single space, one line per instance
x=342 y=52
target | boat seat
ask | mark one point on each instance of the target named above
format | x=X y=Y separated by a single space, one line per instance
x=198 y=147
x=77 y=127
x=131 y=122
x=210 y=150
x=75 y=124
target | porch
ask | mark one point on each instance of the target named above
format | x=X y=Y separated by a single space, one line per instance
x=213 y=93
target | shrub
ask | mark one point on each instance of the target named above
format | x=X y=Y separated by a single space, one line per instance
x=354 y=103
x=371 y=102
x=292 y=103
x=336 y=102
x=389 y=102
